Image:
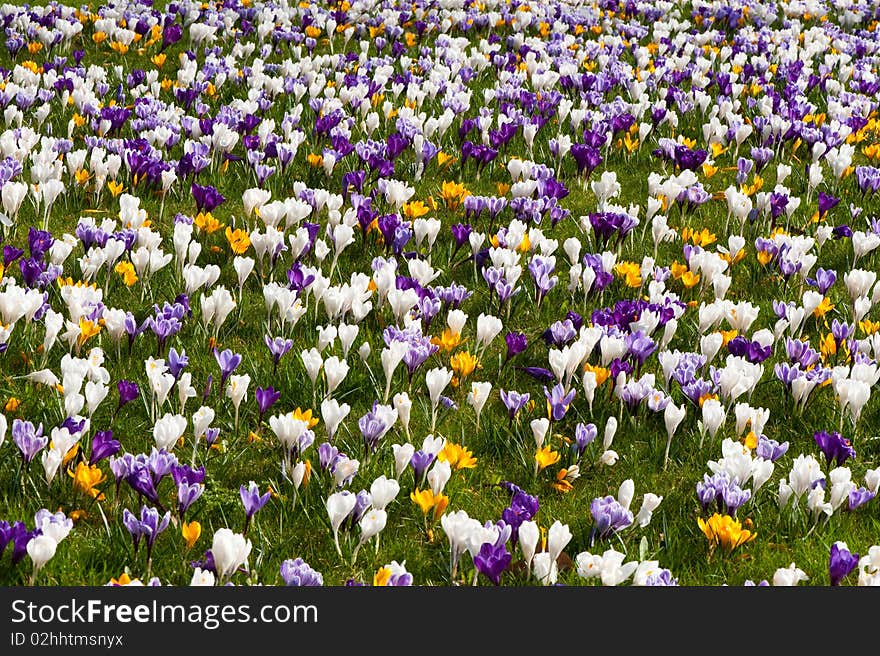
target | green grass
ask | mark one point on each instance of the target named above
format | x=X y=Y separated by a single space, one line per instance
x=286 y=528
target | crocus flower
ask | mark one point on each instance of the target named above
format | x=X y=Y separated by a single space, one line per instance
x=514 y=401
x=841 y=562
x=103 y=446
x=207 y=197
x=266 y=398
x=29 y=439
x=128 y=392
x=228 y=362
x=609 y=516
x=492 y=560
x=299 y=573
x=252 y=502
x=558 y=401
x=834 y=447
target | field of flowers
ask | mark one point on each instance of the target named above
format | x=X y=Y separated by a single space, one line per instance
x=440 y=293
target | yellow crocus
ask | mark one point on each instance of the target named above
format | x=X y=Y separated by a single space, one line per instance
x=869 y=327
x=206 y=221
x=86 y=478
x=631 y=272
x=415 y=209
x=453 y=193
x=463 y=364
x=443 y=159
x=448 y=340
x=126 y=270
x=725 y=531
x=306 y=416
x=690 y=279
x=87 y=330
x=457 y=456
x=381 y=577
x=238 y=240
x=115 y=188
x=424 y=499
x=602 y=373
x=191 y=532
x=545 y=457
x=825 y=306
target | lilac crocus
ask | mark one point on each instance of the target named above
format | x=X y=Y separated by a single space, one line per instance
x=187 y=494
x=770 y=449
x=584 y=434
x=420 y=462
x=148 y=526
x=277 y=347
x=541 y=269
x=28 y=439
x=176 y=362
x=228 y=362
x=834 y=447
x=252 y=501
x=824 y=280
x=327 y=456
x=514 y=401
x=609 y=516
x=299 y=573
x=841 y=562
x=103 y=446
x=558 y=401
x=372 y=427
x=859 y=497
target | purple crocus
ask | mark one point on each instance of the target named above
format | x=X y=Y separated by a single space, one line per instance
x=252 y=502
x=141 y=481
x=228 y=362
x=148 y=526
x=516 y=344
x=128 y=391
x=207 y=197
x=29 y=439
x=841 y=562
x=826 y=203
x=18 y=535
x=420 y=462
x=834 y=447
x=103 y=446
x=176 y=362
x=266 y=398
x=299 y=573
x=492 y=560
x=640 y=346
